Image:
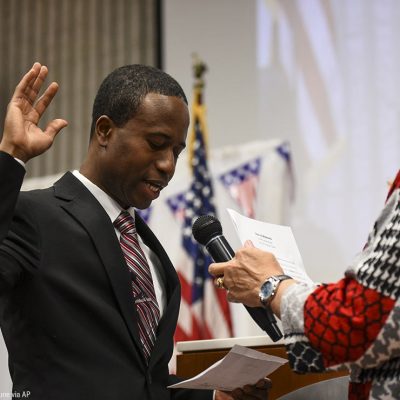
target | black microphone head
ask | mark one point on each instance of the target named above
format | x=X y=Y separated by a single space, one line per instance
x=206 y=227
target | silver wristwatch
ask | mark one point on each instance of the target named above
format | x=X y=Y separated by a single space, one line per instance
x=269 y=287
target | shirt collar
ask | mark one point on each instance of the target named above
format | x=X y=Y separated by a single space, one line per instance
x=112 y=208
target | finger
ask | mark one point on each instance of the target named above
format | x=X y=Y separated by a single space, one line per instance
x=237 y=394
x=250 y=392
x=54 y=127
x=264 y=383
x=248 y=243
x=33 y=89
x=220 y=395
x=46 y=98
x=246 y=396
x=26 y=81
x=216 y=269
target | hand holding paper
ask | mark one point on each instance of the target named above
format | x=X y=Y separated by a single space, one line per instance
x=240 y=367
x=276 y=239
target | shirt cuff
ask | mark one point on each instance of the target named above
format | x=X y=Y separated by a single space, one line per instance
x=292 y=307
x=20 y=161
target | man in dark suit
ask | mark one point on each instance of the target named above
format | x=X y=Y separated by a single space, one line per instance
x=70 y=306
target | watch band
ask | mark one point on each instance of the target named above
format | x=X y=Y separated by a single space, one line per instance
x=282 y=277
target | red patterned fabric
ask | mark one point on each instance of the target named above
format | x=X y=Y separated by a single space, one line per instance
x=342 y=319
x=359 y=391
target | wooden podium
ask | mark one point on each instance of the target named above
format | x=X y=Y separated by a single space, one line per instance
x=196 y=356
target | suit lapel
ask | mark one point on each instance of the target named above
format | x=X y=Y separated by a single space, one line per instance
x=84 y=208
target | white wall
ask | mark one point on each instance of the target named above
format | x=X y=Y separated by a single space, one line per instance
x=222 y=33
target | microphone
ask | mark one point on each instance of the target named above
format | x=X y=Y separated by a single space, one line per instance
x=207 y=230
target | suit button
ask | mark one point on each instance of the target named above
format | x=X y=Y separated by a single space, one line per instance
x=148 y=378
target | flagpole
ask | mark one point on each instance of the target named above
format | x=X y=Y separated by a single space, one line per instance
x=198 y=108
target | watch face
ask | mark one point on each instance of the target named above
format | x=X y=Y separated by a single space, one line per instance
x=267 y=289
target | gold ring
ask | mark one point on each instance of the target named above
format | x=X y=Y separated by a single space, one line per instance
x=219 y=282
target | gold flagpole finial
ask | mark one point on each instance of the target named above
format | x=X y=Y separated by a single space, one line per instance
x=199 y=69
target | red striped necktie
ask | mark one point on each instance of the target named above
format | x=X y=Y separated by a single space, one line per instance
x=142 y=282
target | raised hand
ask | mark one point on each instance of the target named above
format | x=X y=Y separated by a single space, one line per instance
x=22 y=138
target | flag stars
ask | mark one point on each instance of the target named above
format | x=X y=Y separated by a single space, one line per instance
x=197 y=185
x=198 y=281
x=190 y=214
x=227 y=179
x=202 y=172
x=200 y=262
x=196 y=146
x=206 y=191
x=197 y=204
x=189 y=196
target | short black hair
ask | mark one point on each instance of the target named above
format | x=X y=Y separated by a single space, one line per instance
x=122 y=91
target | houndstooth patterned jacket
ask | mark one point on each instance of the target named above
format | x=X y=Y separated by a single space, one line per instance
x=354 y=323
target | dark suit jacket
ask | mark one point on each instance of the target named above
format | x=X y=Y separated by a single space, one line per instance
x=66 y=309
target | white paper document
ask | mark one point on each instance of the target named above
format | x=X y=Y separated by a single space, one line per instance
x=241 y=366
x=276 y=239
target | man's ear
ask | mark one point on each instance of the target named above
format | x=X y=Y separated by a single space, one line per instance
x=103 y=129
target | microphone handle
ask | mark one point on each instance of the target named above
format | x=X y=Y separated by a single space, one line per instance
x=221 y=251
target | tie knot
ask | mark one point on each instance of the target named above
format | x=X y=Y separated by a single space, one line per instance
x=125 y=223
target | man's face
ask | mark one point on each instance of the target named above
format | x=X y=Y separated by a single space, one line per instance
x=138 y=160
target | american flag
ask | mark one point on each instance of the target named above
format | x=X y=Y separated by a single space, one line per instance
x=205 y=312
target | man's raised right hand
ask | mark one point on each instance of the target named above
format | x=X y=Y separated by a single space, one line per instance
x=22 y=138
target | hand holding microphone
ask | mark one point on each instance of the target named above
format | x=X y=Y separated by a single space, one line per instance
x=242 y=274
